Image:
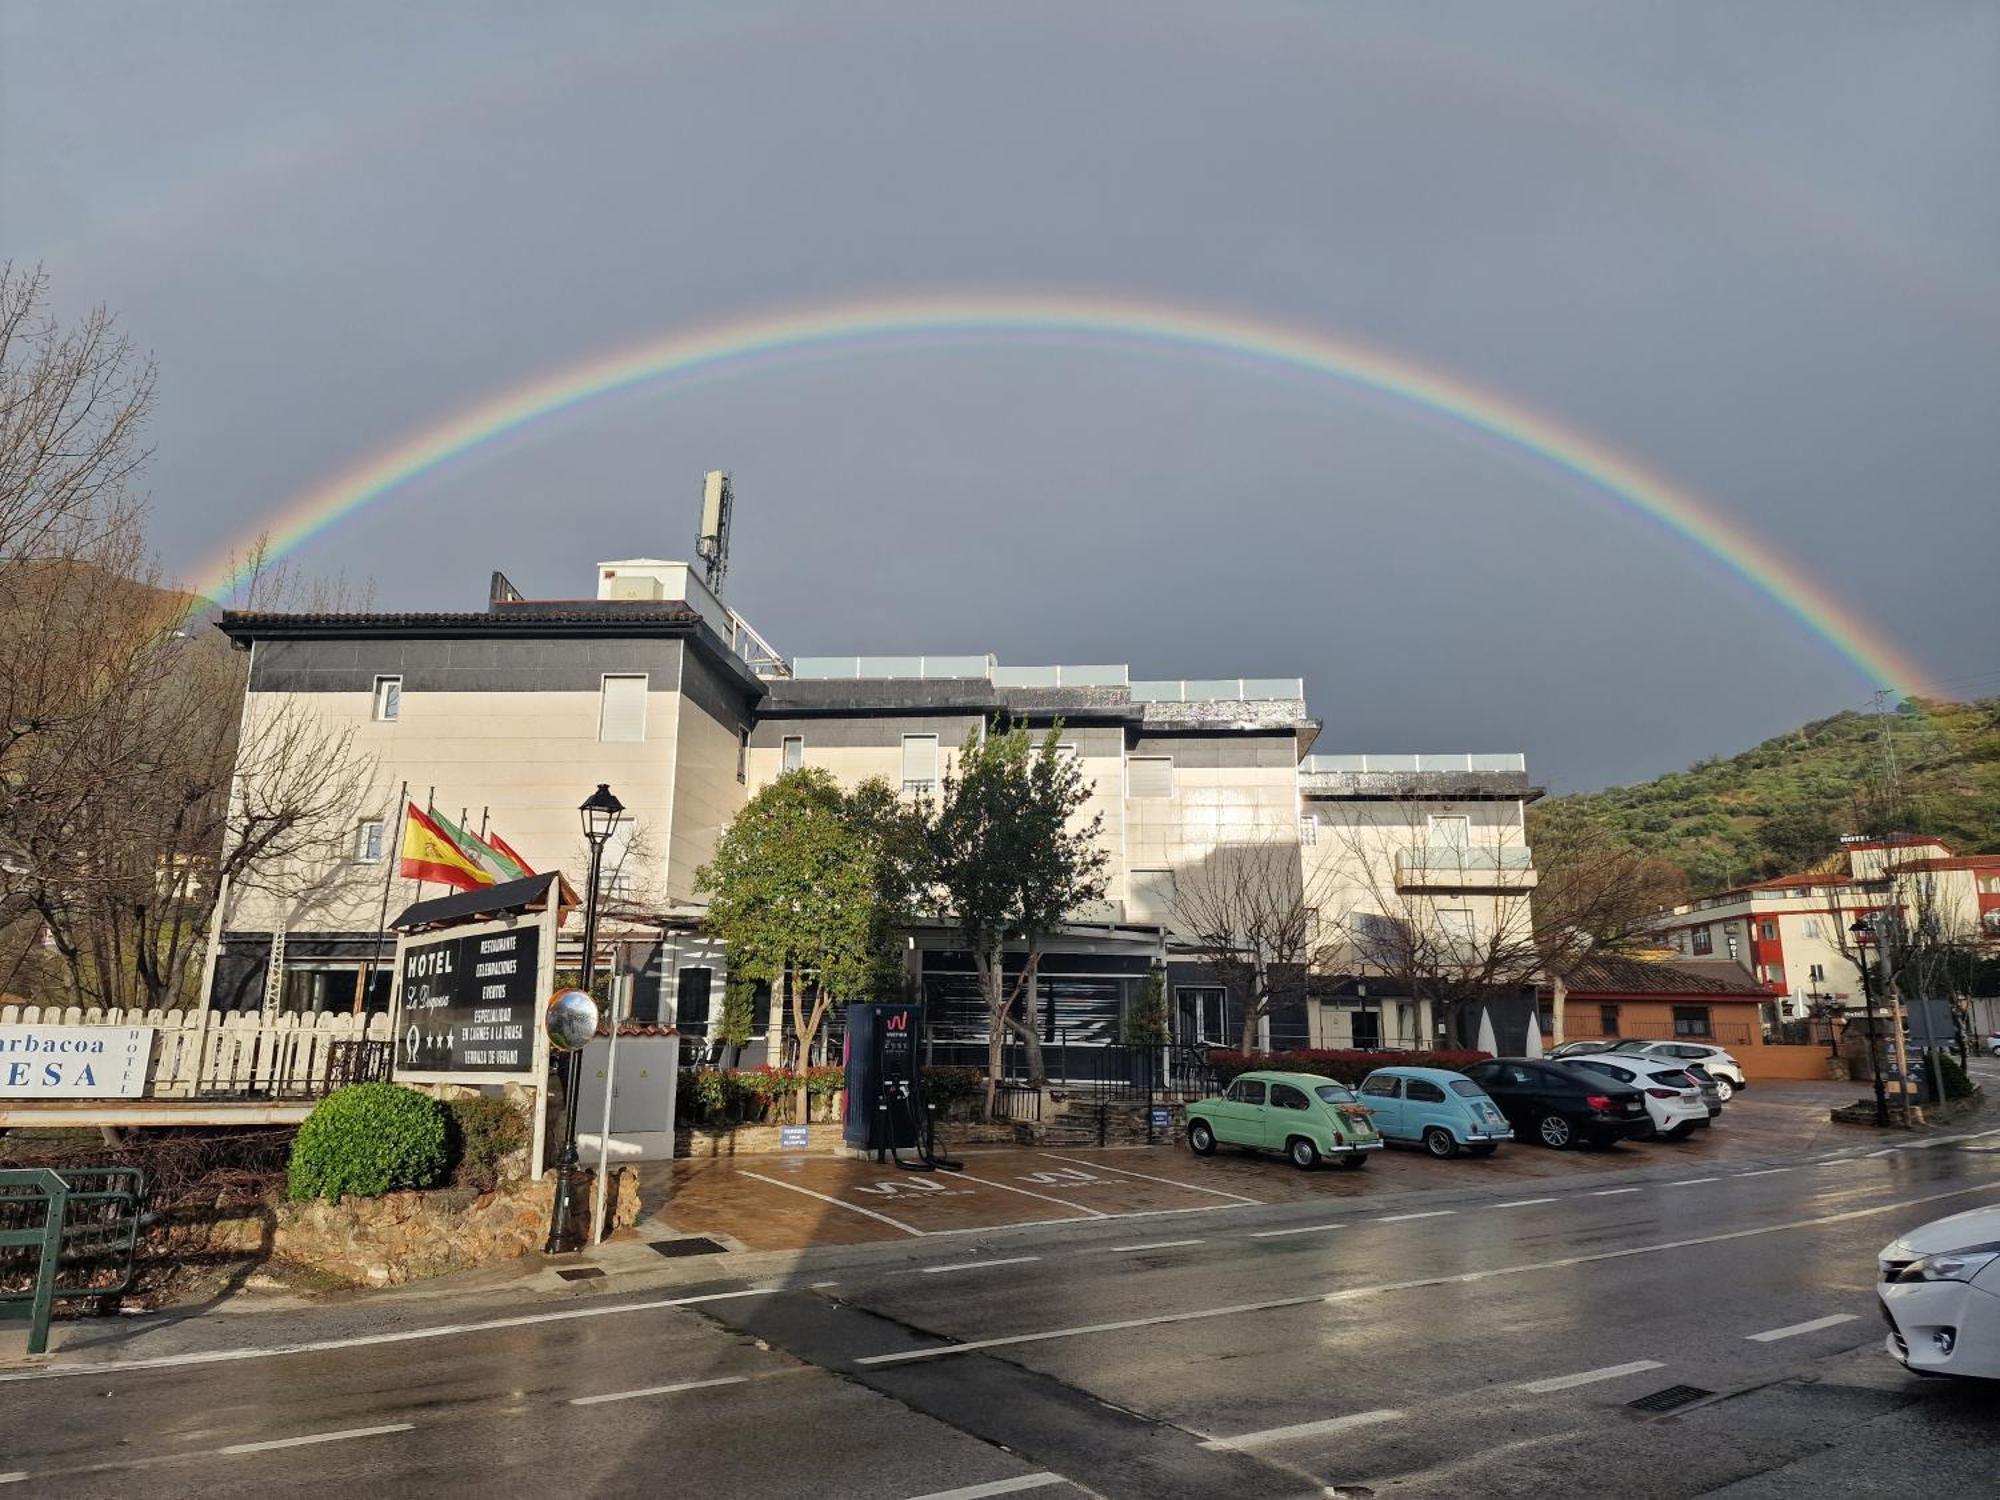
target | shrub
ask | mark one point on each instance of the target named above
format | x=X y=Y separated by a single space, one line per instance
x=367 y=1140
x=481 y=1134
x=1344 y=1067
x=949 y=1088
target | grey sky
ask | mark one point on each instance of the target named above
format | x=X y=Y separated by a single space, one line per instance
x=1755 y=245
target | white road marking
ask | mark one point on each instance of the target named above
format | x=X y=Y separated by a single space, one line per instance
x=319 y=1437
x=361 y=1341
x=1278 y=1234
x=1155 y=1245
x=1612 y=1192
x=977 y=1265
x=658 y=1390
x=1764 y=1172
x=1304 y=1430
x=853 y=1208
x=1886 y=1150
x=1589 y=1377
x=1524 y=1203
x=996 y=1487
x=14 y=1478
x=1195 y=1315
x=1435 y=1213
x=1082 y=1208
x=1772 y=1335
x=1693 y=1181
x=1149 y=1177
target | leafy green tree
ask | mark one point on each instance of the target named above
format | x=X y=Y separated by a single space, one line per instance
x=1145 y=1022
x=1011 y=856
x=799 y=892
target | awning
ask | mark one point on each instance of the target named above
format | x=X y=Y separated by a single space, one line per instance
x=531 y=894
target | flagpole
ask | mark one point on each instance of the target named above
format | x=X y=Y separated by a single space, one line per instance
x=430 y=806
x=484 y=814
x=388 y=875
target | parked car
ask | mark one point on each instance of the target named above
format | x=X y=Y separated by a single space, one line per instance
x=1580 y=1049
x=1559 y=1105
x=1940 y=1292
x=1711 y=1092
x=1993 y=1043
x=1433 y=1107
x=1301 y=1114
x=1727 y=1071
x=1673 y=1100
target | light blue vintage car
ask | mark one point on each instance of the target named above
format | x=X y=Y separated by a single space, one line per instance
x=1439 y=1110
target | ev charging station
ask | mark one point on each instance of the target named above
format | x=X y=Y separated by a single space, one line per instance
x=883 y=1108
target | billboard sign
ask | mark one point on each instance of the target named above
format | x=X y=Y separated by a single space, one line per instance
x=74 y=1062
x=469 y=1002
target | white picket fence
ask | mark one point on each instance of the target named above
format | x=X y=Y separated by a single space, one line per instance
x=238 y=1054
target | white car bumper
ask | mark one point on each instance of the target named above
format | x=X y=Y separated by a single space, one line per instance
x=1925 y=1316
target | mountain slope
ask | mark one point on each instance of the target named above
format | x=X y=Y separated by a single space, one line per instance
x=1784 y=804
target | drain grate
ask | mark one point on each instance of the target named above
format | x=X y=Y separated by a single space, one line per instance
x=1673 y=1398
x=675 y=1249
x=581 y=1273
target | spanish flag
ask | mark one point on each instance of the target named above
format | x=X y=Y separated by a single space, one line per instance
x=430 y=853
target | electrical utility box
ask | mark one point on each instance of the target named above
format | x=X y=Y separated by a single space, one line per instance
x=883 y=1051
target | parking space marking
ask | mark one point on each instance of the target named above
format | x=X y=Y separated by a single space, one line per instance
x=853 y=1208
x=1524 y=1203
x=1155 y=1245
x=1772 y=1335
x=658 y=1390
x=1082 y=1208
x=977 y=1265
x=1612 y=1192
x=1435 y=1213
x=319 y=1437
x=1278 y=1234
x=1303 y=1430
x=1588 y=1377
x=996 y=1487
x=1149 y=1177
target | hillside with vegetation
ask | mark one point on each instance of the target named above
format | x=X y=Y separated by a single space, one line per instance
x=1784 y=805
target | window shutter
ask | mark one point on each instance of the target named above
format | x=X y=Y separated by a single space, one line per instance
x=1149 y=776
x=920 y=760
x=621 y=717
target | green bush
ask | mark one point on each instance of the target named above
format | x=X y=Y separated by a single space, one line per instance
x=481 y=1134
x=367 y=1140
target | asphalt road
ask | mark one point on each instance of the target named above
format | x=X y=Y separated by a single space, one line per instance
x=1472 y=1342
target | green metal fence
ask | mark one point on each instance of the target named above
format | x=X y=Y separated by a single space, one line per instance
x=65 y=1234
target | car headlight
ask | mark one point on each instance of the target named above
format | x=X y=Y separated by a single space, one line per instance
x=1947 y=1265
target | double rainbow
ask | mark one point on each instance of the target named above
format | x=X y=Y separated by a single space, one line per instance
x=961 y=318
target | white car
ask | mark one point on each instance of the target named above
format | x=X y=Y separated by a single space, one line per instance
x=1673 y=1099
x=1940 y=1291
x=1726 y=1070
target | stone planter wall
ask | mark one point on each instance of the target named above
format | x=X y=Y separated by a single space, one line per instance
x=824 y=1138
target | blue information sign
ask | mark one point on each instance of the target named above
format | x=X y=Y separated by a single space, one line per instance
x=793 y=1138
x=1163 y=1117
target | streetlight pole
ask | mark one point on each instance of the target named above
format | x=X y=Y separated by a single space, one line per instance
x=600 y=815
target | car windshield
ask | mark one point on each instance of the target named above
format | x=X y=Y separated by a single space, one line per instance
x=1466 y=1087
x=1333 y=1093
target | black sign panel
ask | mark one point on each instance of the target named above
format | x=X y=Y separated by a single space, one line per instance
x=471 y=1004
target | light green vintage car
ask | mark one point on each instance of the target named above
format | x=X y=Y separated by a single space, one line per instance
x=1301 y=1114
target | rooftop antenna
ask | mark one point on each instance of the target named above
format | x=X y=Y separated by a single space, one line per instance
x=712 y=546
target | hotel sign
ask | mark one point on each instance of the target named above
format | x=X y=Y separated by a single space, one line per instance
x=470 y=1003
x=74 y=1062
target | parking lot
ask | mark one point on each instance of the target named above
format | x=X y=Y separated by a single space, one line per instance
x=790 y=1202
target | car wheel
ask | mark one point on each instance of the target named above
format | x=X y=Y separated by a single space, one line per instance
x=1682 y=1131
x=1440 y=1143
x=1304 y=1154
x=1724 y=1089
x=1355 y=1162
x=1484 y=1148
x=1201 y=1139
x=1555 y=1132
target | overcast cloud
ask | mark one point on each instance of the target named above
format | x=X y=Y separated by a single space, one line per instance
x=1756 y=246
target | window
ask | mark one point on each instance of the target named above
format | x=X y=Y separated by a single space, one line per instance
x=368 y=842
x=691 y=1004
x=1691 y=1020
x=388 y=698
x=1767 y=931
x=1246 y=1091
x=1452 y=830
x=920 y=762
x=1465 y=1088
x=1812 y=929
x=742 y=756
x=1817 y=973
x=1607 y=1020
x=795 y=751
x=1364 y=1029
x=1284 y=1096
x=1199 y=1014
x=1382 y=1086
x=1149 y=776
x=1333 y=1093
x=618 y=866
x=1423 y=1091
x=621 y=709
x=1704 y=940
x=1152 y=895
x=1309 y=829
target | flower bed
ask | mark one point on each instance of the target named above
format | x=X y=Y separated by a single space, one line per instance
x=1345 y=1067
x=767 y=1096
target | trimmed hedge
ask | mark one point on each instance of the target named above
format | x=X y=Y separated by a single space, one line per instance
x=1344 y=1067
x=730 y=1096
x=369 y=1139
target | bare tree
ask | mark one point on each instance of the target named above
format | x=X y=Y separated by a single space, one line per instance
x=1244 y=912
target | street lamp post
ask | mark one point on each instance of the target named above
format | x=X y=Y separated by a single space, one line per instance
x=600 y=812
x=1864 y=932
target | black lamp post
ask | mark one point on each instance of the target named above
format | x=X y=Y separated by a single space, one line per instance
x=1864 y=933
x=600 y=812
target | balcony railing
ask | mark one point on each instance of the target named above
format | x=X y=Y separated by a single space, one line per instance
x=1450 y=867
x=1421 y=764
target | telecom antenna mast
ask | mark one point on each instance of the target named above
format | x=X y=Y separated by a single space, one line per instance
x=712 y=546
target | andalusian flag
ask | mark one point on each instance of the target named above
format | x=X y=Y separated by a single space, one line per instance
x=513 y=866
x=430 y=852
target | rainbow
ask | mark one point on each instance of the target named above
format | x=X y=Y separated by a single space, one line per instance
x=958 y=318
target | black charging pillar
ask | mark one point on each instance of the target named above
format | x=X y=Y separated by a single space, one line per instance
x=884 y=1055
